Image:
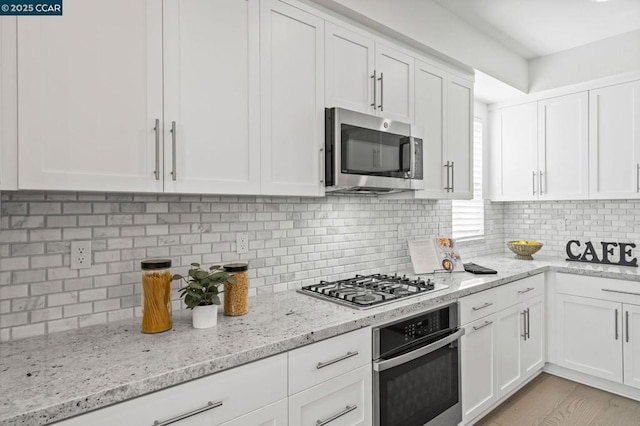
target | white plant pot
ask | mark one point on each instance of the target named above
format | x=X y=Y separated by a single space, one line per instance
x=205 y=316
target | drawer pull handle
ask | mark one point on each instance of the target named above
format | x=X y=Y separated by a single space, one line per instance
x=620 y=291
x=348 y=409
x=526 y=290
x=616 y=324
x=486 y=305
x=478 y=327
x=333 y=361
x=210 y=406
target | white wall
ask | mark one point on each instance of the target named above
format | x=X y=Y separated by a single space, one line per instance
x=604 y=58
x=437 y=28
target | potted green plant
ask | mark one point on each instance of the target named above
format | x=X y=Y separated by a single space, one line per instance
x=201 y=293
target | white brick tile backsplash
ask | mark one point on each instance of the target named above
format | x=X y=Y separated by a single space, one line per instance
x=22 y=332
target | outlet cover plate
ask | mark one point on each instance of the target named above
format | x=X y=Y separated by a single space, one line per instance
x=80 y=254
x=242 y=242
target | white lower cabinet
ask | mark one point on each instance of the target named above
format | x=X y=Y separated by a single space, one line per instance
x=521 y=340
x=271 y=415
x=478 y=346
x=344 y=400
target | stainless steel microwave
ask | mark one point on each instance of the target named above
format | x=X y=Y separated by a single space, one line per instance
x=366 y=154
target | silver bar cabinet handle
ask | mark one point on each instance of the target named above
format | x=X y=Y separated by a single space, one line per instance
x=626 y=314
x=373 y=77
x=173 y=151
x=381 y=91
x=210 y=406
x=621 y=292
x=446 y=166
x=453 y=184
x=638 y=177
x=486 y=305
x=540 y=182
x=321 y=165
x=478 y=327
x=534 y=182
x=526 y=290
x=524 y=324
x=616 y=324
x=528 y=324
x=348 y=409
x=333 y=361
x=156 y=129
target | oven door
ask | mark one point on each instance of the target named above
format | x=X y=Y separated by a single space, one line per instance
x=421 y=387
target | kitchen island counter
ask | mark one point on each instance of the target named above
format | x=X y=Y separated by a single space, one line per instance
x=53 y=377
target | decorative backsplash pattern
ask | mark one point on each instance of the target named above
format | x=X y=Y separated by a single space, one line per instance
x=292 y=242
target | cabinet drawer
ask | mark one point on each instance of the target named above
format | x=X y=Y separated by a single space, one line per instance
x=346 y=399
x=329 y=358
x=599 y=288
x=517 y=291
x=478 y=305
x=240 y=390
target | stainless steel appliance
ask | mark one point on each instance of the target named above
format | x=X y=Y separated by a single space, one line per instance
x=371 y=155
x=368 y=291
x=416 y=370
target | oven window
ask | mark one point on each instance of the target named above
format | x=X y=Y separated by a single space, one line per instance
x=416 y=392
x=374 y=153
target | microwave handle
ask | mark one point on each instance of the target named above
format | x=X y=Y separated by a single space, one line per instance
x=412 y=166
x=402 y=359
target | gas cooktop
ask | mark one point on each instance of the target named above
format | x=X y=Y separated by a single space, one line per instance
x=368 y=291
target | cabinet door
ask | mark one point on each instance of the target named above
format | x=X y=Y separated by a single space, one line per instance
x=563 y=147
x=89 y=94
x=211 y=77
x=460 y=137
x=632 y=345
x=429 y=116
x=395 y=95
x=349 y=66
x=478 y=346
x=292 y=99
x=271 y=415
x=510 y=331
x=533 y=347
x=515 y=134
x=589 y=336
x=346 y=399
x=614 y=141
x=8 y=101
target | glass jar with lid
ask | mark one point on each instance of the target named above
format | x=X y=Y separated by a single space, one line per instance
x=156 y=296
x=236 y=295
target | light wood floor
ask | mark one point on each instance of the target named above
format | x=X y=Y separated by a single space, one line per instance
x=551 y=401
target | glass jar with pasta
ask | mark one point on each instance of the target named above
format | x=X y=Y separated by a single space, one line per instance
x=236 y=292
x=156 y=296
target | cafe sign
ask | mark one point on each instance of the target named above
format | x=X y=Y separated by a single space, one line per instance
x=606 y=253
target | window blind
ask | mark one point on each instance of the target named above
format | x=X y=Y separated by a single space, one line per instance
x=467 y=216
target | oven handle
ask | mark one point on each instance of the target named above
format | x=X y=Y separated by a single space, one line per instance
x=402 y=359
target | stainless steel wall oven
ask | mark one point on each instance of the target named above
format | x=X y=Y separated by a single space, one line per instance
x=416 y=370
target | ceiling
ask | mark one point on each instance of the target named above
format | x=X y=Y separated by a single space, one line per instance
x=533 y=28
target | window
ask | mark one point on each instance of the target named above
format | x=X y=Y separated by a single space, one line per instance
x=467 y=216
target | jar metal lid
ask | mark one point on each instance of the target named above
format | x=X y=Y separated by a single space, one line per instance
x=236 y=267
x=155 y=264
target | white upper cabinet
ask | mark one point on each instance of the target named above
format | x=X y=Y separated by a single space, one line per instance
x=89 y=95
x=513 y=145
x=614 y=141
x=8 y=101
x=211 y=94
x=459 y=146
x=292 y=97
x=563 y=147
x=394 y=97
x=367 y=76
x=431 y=86
x=349 y=63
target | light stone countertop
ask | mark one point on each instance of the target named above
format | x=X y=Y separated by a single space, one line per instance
x=49 y=378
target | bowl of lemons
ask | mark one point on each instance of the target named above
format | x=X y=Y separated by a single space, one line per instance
x=523 y=249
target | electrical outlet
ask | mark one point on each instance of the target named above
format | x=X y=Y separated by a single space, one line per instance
x=561 y=225
x=80 y=254
x=242 y=242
